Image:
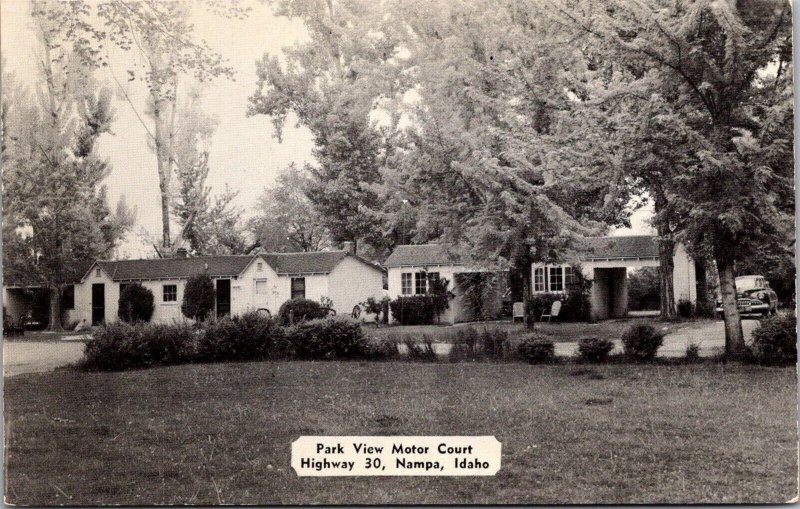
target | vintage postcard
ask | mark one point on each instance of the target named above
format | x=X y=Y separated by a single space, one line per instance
x=374 y=252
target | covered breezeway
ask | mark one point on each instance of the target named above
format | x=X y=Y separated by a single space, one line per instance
x=604 y=261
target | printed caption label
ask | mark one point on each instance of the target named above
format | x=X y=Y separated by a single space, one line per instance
x=395 y=456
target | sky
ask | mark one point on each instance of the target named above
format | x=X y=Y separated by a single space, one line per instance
x=243 y=154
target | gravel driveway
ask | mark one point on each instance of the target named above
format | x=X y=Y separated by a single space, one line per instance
x=39 y=356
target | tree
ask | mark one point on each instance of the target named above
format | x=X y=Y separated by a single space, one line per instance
x=715 y=78
x=286 y=219
x=477 y=86
x=135 y=303
x=211 y=226
x=163 y=37
x=331 y=83
x=55 y=210
x=198 y=297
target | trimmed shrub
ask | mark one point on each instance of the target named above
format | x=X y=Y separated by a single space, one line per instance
x=692 y=352
x=249 y=337
x=594 y=349
x=327 y=339
x=537 y=348
x=198 y=297
x=685 y=308
x=122 y=345
x=299 y=310
x=136 y=303
x=495 y=343
x=775 y=341
x=413 y=310
x=420 y=351
x=383 y=349
x=642 y=341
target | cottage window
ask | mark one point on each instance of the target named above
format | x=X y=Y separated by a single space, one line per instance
x=298 y=288
x=432 y=276
x=405 y=283
x=170 y=293
x=97 y=272
x=68 y=297
x=261 y=287
x=122 y=287
x=259 y=267
x=569 y=277
x=538 y=280
x=556 y=279
x=420 y=283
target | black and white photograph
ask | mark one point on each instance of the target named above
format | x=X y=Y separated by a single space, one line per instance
x=398 y=252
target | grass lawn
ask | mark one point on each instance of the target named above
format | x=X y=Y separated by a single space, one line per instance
x=204 y=434
x=559 y=332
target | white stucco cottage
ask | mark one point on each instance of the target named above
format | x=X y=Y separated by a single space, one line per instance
x=243 y=283
x=410 y=267
x=604 y=261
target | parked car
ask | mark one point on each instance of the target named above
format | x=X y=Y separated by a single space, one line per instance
x=753 y=296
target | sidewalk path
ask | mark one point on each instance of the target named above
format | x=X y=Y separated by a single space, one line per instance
x=709 y=337
x=39 y=356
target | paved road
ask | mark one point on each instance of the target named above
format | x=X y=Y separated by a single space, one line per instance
x=710 y=337
x=39 y=356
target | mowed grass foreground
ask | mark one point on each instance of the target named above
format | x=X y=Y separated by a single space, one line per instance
x=205 y=434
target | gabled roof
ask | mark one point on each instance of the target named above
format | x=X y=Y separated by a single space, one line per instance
x=15 y=278
x=420 y=255
x=315 y=262
x=634 y=246
x=175 y=268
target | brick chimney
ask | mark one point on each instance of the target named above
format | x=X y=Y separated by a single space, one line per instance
x=181 y=252
x=349 y=246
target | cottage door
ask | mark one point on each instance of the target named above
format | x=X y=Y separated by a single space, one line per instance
x=223 y=297
x=98 y=303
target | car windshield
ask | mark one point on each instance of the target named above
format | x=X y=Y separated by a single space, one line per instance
x=748 y=283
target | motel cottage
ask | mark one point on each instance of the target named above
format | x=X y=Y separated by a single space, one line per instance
x=267 y=280
x=243 y=283
x=603 y=260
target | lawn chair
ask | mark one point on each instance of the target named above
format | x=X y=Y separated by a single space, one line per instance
x=518 y=311
x=555 y=309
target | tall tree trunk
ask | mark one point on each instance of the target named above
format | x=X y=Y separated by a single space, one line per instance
x=666 y=264
x=55 y=310
x=522 y=272
x=702 y=303
x=734 y=337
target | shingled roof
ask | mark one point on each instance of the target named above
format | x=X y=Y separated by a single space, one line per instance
x=175 y=268
x=15 y=278
x=420 y=255
x=634 y=246
x=315 y=262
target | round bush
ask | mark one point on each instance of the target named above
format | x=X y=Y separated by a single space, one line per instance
x=136 y=303
x=327 y=339
x=249 y=337
x=537 y=348
x=298 y=310
x=594 y=349
x=685 y=308
x=642 y=341
x=121 y=345
x=775 y=341
x=198 y=297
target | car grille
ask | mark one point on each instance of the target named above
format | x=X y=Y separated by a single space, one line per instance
x=743 y=303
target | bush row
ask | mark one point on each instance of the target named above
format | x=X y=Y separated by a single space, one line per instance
x=122 y=345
